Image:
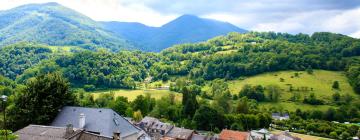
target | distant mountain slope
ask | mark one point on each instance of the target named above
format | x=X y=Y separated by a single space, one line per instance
x=54 y=24
x=185 y=29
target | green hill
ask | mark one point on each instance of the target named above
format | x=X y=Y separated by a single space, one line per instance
x=320 y=83
x=55 y=25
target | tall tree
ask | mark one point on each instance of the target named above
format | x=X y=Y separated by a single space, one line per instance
x=189 y=102
x=207 y=118
x=40 y=101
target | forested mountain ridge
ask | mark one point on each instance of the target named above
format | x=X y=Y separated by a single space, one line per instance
x=237 y=55
x=228 y=57
x=184 y=29
x=54 y=24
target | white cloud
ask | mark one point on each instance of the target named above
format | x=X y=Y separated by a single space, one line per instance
x=339 y=21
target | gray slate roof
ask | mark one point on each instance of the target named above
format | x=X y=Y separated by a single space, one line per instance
x=180 y=133
x=39 y=132
x=101 y=120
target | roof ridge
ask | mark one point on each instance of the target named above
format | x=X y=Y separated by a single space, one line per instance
x=88 y=107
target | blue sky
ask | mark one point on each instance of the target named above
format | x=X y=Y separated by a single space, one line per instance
x=293 y=16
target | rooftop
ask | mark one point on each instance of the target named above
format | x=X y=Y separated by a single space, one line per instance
x=233 y=135
x=98 y=120
x=179 y=133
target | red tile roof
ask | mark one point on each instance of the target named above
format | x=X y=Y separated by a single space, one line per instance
x=233 y=135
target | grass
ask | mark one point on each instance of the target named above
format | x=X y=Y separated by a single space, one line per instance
x=302 y=136
x=132 y=94
x=320 y=81
x=292 y=106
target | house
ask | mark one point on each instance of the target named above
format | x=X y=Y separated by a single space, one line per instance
x=260 y=134
x=284 y=136
x=177 y=133
x=154 y=127
x=234 y=135
x=40 y=132
x=203 y=137
x=99 y=121
x=158 y=130
x=279 y=116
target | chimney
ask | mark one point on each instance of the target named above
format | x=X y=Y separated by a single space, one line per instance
x=116 y=136
x=69 y=130
x=82 y=120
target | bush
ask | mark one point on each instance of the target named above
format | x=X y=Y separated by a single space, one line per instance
x=89 y=87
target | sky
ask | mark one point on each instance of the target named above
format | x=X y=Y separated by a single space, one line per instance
x=292 y=16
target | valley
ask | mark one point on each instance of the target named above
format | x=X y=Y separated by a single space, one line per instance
x=192 y=74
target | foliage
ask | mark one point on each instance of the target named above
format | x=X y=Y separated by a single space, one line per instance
x=137 y=116
x=336 y=85
x=253 y=92
x=39 y=101
x=15 y=59
x=274 y=92
x=207 y=118
x=10 y=135
x=143 y=103
x=189 y=101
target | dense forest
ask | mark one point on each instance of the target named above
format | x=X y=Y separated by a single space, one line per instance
x=189 y=68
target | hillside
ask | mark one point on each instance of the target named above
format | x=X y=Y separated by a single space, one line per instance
x=319 y=82
x=54 y=24
x=184 y=29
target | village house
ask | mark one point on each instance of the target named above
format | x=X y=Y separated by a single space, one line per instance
x=260 y=134
x=279 y=116
x=40 y=132
x=284 y=136
x=154 y=127
x=177 y=133
x=99 y=121
x=234 y=135
x=158 y=130
x=203 y=137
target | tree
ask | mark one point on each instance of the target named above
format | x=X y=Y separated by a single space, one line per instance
x=253 y=92
x=333 y=135
x=336 y=85
x=274 y=92
x=330 y=114
x=223 y=101
x=119 y=105
x=336 y=96
x=243 y=106
x=207 y=118
x=345 y=136
x=165 y=77
x=309 y=70
x=40 y=100
x=137 y=116
x=189 y=102
x=10 y=135
x=143 y=103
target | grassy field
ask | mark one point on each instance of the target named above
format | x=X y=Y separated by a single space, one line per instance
x=320 y=82
x=302 y=136
x=131 y=94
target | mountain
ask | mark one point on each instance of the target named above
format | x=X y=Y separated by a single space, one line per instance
x=54 y=24
x=184 y=29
